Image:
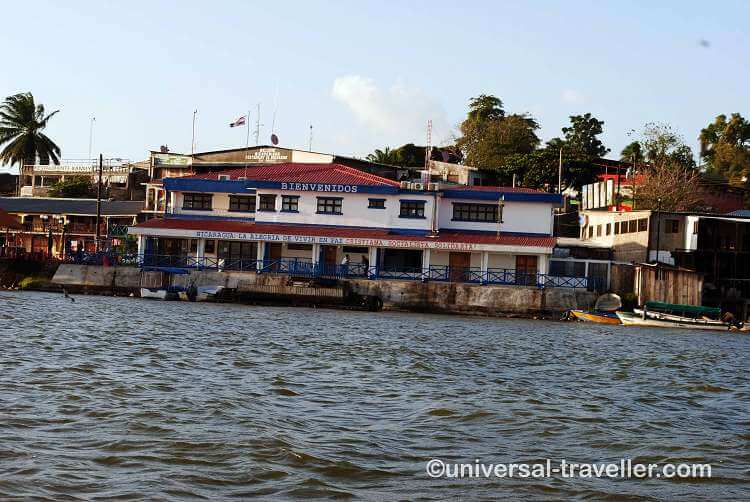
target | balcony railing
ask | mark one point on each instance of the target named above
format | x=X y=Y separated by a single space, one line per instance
x=302 y=267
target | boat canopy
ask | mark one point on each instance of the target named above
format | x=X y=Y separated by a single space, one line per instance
x=683 y=309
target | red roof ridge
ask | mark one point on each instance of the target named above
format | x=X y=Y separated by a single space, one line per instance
x=276 y=172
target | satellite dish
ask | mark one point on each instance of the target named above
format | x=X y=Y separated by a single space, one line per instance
x=274 y=139
x=446 y=156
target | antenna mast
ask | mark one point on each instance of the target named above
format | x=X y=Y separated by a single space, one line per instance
x=428 y=150
x=257 y=127
x=309 y=141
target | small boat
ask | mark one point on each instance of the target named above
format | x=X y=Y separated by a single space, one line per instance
x=595 y=316
x=603 y=313
x=200 y=293
x=672 y=315
x=170 y=293
x=154 y=293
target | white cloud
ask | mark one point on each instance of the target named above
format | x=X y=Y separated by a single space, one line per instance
x=574 y=97
x=395 y=115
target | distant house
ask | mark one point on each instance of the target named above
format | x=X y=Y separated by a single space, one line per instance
x=71 y=224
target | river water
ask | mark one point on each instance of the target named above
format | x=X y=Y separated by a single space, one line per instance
x=122 y=397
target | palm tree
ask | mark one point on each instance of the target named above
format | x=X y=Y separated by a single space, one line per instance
x=21 y=124
x=385 y=156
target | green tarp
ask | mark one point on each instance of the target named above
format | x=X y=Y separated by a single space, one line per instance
x=676 y=308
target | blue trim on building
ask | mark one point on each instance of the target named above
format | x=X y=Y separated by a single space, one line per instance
x=203 y=185
x=551 y=198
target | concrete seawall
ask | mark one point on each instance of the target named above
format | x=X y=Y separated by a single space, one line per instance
x=408 y=295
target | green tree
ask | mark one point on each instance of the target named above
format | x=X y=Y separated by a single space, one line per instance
x=489 y=135
x=662 y=145
x=21 y=125
x=631 y=151
x=725 y=144
x=74 y=187
x=669 y=178
x=581 y=138
x=385 y=156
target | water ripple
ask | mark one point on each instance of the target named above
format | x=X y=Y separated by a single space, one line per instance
x=124 y=398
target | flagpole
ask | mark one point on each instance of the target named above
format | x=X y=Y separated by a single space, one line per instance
x=247 y=139
x=192 y=145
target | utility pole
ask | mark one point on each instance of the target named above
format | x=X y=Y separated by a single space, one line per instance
x=309 y=142
x=99 y=205
x=559 y=174
x=658 y=228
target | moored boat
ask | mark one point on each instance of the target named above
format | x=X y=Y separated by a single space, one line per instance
x=595 y=316
x=603 y=313
x=670 y=315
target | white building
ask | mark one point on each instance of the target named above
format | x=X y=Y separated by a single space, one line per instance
x=334 y=220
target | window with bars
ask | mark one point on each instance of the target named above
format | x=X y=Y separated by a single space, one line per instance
x=643 y=224
x=242 y=203
x=672 y=226
x=376 y=204
x=329 y=205
x=290 y=203
x=197 y=201
x=412 y=209
x=475 y=212
x=267 y=202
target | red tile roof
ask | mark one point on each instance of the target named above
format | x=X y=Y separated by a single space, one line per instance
x=347 y=232
x=333 y=174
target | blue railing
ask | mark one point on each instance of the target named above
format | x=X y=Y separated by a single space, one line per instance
x=304 y=267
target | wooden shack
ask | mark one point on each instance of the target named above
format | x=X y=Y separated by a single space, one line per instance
x=660 y=282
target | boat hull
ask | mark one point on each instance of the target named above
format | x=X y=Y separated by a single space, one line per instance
x=595 y=317
x=638 y=320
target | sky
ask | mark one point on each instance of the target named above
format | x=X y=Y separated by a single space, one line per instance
x=367 y=74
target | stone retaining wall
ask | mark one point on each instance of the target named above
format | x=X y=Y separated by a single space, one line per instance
x=408 y=295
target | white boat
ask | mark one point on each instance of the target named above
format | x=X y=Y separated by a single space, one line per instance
x=674 y=315
x=200 y=293
x=637 y=319
x=154 y=293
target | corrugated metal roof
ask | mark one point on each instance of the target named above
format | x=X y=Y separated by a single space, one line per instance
x=51 y=205
x=334 y=174
x=348 y=232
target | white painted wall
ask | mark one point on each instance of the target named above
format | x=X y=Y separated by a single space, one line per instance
x=355 y=212
x=523 y=217
x=219 y=204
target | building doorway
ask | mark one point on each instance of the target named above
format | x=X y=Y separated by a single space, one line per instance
x=328 y=258
x=274 y=255
x=458 y=264
x=526 y=270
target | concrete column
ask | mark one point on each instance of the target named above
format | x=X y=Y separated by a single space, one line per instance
x=315 y=253
x=200 y=252
x=543 y=264
x=485 y=265
x=261 y=255
x=426 y=255
x=172 y=202
x=141 y=249
x=373 y=259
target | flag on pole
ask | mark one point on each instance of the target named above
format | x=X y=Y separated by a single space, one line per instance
x=240 y=121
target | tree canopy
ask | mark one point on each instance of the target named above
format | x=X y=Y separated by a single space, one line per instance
x=21 y=125
x=489 y=136
x=725 y=144
x=73 y=187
